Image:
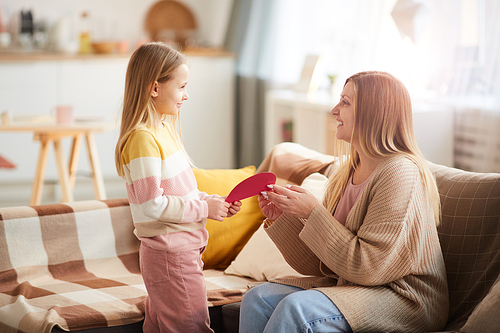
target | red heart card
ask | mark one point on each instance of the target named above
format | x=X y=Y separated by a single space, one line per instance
x=251 y=186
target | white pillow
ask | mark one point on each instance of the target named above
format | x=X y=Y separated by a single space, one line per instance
x=316 y=184
x=260 y=259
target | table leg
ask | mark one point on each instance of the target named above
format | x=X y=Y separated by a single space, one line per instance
x=100 y=192
x=36 y=192
x=62 y=168
x=73 y=160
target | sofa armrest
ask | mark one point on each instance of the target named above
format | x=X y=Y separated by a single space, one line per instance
x=292 y=163
x=469 y=233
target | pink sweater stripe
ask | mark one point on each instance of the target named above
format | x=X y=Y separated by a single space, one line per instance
x=180 y=185
x=144 y=189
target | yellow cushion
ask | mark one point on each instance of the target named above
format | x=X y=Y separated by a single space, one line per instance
x=228 y=238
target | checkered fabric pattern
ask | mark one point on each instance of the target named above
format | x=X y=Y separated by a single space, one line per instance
x=76 y=265
x=470 y=237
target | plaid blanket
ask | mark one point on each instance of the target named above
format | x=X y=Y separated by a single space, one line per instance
x=76 y=266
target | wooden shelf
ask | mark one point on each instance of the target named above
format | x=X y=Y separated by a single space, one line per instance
x=11 y=55
x=43 y=55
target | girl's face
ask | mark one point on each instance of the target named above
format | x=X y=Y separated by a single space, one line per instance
x=169 y=96
x=344 y=113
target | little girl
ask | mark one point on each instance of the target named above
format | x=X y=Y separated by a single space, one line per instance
x=168 y=211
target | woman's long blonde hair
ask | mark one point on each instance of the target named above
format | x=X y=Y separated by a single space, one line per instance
x=384 y=125
x=149 y=63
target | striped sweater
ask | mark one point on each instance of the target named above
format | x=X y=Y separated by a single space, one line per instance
x=384 y=269
x=168 y=211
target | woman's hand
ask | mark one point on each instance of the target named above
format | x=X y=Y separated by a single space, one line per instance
x=217 y=209
x=268 y=208
x=294 y=200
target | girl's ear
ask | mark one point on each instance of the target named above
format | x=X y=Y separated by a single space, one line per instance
x=154 y=93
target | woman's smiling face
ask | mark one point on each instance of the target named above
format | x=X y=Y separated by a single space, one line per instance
x=344 y=113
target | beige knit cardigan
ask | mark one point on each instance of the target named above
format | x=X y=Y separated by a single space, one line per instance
x=384 y=269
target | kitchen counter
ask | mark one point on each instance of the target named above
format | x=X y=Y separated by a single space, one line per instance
x=11 y=55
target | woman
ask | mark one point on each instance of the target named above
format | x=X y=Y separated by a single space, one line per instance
x=371 y=248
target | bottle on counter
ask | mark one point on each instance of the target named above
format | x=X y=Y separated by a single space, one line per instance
x=25 y=37
x=63 y=37
x=4 y=34
x=85 y=42
x=3 y=23
x=27 y=22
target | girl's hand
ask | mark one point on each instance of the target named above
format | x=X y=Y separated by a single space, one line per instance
x=234 y=208
x=294 y=200
x=268 y=208
x=217 y=209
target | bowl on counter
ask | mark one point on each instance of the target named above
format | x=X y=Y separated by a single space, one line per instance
x=104 y=46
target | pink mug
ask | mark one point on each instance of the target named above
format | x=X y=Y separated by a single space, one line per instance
x=64 y=114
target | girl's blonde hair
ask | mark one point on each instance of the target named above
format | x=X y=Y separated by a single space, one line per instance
x=384 y=125
x=149 y=63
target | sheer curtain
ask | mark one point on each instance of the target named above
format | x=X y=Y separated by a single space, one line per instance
x=455 y=62
x=249 y=36
x=474 y=89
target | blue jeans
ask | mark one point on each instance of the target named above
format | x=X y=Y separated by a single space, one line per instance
x=274 y=308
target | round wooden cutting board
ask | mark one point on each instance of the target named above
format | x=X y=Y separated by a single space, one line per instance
x=166 y=15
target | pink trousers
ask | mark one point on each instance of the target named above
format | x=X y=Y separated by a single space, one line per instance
x=177 y=296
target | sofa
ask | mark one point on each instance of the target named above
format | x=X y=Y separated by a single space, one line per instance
x=469 y=234
x=74 y=266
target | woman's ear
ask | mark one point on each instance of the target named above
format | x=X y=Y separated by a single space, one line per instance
x=154 y=92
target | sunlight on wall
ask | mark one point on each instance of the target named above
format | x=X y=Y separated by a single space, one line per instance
x=469 y=27
x=362 y=35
